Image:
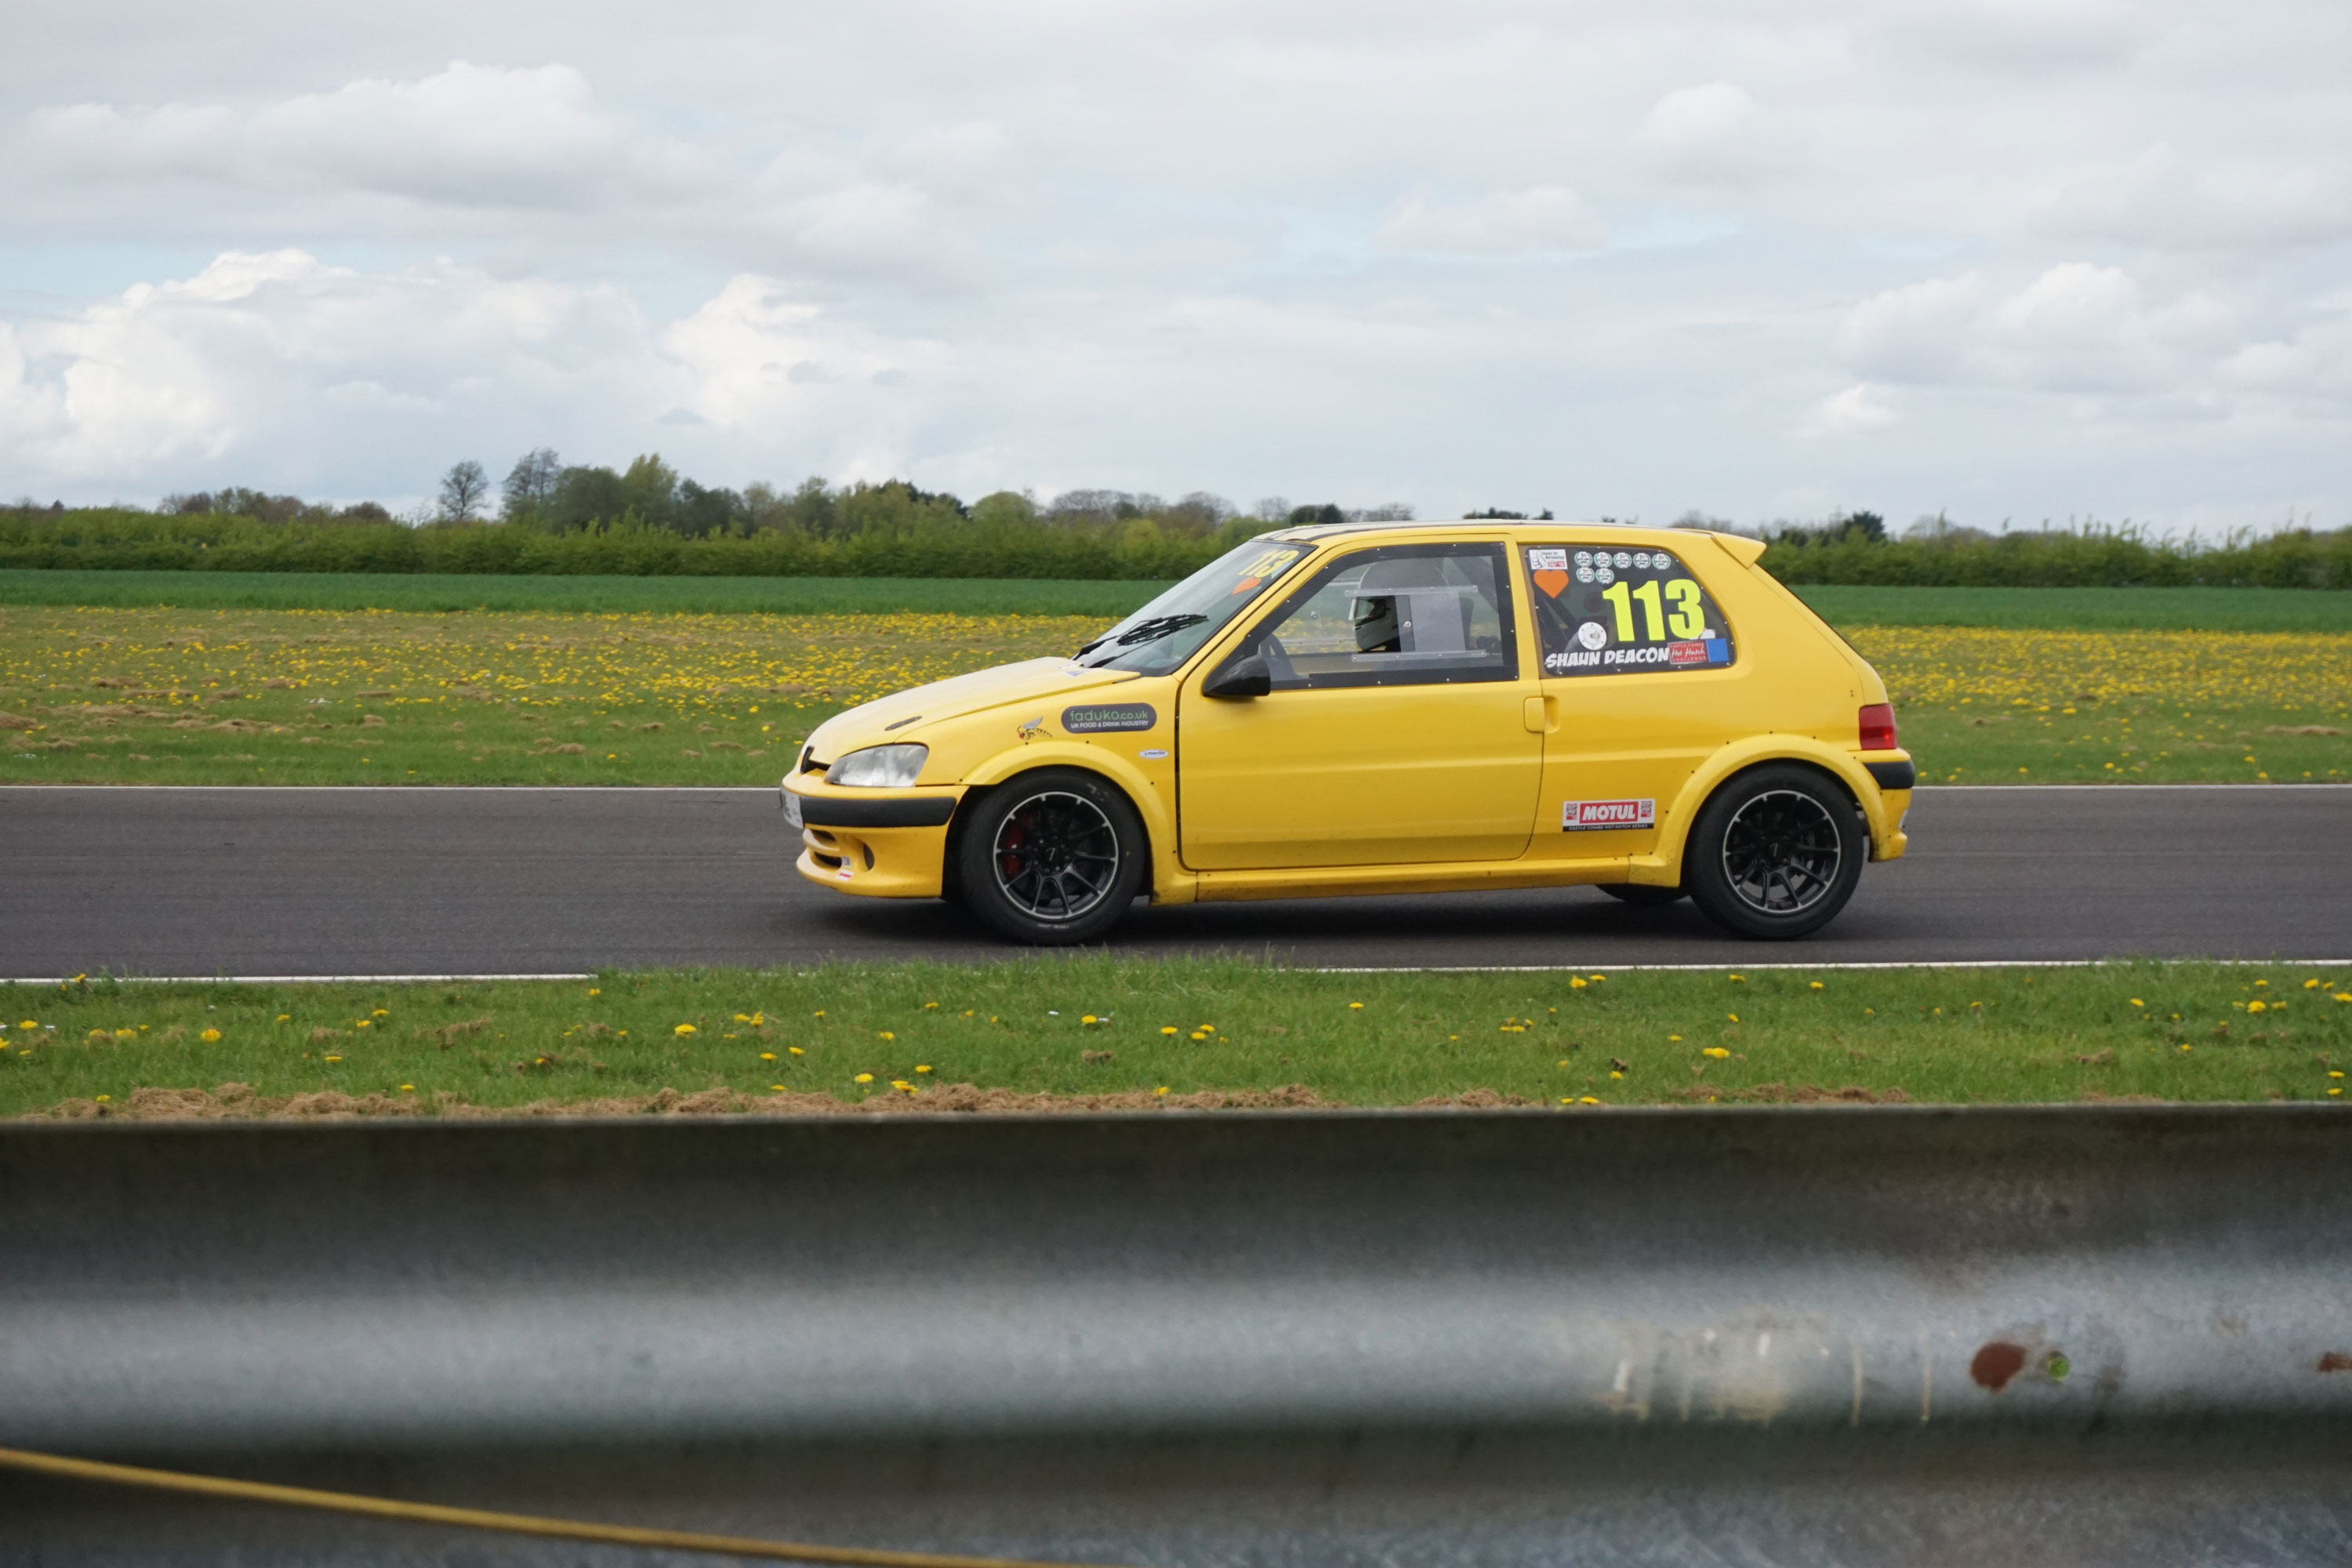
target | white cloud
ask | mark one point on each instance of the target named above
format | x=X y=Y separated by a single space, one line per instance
x=2076 y=328
x=1503 y=223
x=526 y=139
x=1715 y=132
x=1855 y=411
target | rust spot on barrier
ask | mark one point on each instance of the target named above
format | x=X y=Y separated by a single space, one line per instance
x=1996 y=1364
x=2336 y=1361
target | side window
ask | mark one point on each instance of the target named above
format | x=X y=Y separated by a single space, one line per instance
x=1405 y=614
x=1623 y=612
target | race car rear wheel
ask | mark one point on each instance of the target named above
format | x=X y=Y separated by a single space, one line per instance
x=1051 y=858
x=1776 y=853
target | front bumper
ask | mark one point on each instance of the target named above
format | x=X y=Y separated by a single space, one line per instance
x=879 y=844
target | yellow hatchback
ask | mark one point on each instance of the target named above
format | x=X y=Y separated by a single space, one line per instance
x=1388 y=708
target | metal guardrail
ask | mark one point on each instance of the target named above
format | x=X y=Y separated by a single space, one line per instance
x=2080 y=1334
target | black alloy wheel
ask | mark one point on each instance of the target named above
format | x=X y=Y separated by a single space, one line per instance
x=1052 y=856
x=1777 y=853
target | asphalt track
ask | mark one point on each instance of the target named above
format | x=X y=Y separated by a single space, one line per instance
x=427 y=881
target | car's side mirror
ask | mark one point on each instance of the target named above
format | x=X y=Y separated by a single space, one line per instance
x=1242 y=678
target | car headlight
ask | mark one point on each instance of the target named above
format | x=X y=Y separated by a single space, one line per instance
x=878 y=767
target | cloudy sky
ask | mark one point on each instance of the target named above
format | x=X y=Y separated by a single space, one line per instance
x=2007 y=259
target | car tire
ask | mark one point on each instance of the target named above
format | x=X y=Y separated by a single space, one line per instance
x=1051 y=858
x=1645 y=895
x=1776 y=853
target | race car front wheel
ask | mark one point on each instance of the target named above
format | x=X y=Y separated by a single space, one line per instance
x=1051 y=858
x=1775 y=854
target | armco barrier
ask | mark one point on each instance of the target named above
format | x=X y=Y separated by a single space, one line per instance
x=2080 y=1334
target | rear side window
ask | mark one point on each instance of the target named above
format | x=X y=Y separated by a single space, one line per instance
x=1623 y=612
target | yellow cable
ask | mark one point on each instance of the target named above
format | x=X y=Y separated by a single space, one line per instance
x=483 y=1518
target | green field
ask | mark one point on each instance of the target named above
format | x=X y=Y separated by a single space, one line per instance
x=2053 y=610
x=2084 y=609
x=597 y=595
x=1208 y=1031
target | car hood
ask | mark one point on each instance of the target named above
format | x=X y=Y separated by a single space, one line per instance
x=906 y=715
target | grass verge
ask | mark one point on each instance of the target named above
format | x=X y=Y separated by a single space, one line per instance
x=446 y=592
x=1098 y=1031
x=2084 y=609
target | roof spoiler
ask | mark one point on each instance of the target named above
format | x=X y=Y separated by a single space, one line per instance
x=1739 y=547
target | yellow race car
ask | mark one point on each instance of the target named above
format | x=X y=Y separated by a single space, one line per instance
x=1387 y=708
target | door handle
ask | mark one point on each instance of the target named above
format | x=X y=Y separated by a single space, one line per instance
x=1543 y=714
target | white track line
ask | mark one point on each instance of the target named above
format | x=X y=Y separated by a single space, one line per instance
x=284 y=979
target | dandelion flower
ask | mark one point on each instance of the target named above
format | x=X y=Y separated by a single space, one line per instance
x=1090 y=1018
x=683 y=1030
x=595 y=992
x=333 y=1059
x=104 y=1098
x=1355 y=1006
x=924 y=1066
x=1616 y=1075
x=408 y=1089
x=2258 y=1007
x=886 y=1035
x=1817 y=986
x=1735 y=977
x=1674 y=1038
x=767 y=1056
x=1575 y=983
x=777 y=1087
x=282 y=1017
x=2138 y=1003
x=1734 y=1017
x=1716 y=1053
x=1588 y=1099
x=863 y=1077
x=742 y=1018
x=2334 y=1074
x=2311 y=985
x=381 y=1013
x=796 y=1050
x=209 y=1035
x=1162 y=1089
x=1169 y=1029
x=2185 y=1048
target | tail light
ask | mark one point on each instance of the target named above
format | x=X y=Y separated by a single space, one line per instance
x=1878 y=727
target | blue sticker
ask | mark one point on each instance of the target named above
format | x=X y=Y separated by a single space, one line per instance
x=1108 y=719
x=1717 y=651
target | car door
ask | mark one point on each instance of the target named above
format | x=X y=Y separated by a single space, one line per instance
x=1642 y=681
x=1397 y=729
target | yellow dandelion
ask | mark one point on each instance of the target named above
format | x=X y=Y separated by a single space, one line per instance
x=2258 y=1007
x=1089 y=1018
x=104 y=1099
x=209 y=1035
x=408 y=1089
x=1162 y=1089
x=282 y=1017
x=1674 y=1038
x=923 y=1068
x=1817 y=986
x=1734 y=1017
x=777 y=1087
x=1588 y=1099
x=683 y=1030
x=886 y=1035
x=1169 y=1029
x=863 y=1077
x=1355 y=1006
x=1716 y=1052
x=1575 y=983
x=334 y=1059
x=767 y=1056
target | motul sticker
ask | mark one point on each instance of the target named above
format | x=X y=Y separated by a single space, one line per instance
x=1595 y=815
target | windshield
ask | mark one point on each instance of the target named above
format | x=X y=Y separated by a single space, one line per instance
x=1166 y=632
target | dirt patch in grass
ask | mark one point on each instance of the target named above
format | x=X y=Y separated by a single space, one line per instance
x=237 y=1103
